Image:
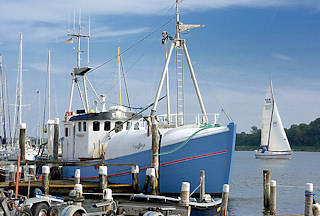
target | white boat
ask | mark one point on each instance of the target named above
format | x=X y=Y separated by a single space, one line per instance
x=274 y=141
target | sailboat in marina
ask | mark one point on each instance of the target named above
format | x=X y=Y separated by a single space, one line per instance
x=274 y=141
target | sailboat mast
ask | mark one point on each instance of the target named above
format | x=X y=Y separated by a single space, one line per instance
x=270 y=124
x=119 y=76
x=49 y=84
x=20 y=85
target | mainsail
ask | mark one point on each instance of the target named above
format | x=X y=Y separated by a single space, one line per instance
x=272 y=132
x=266 y=116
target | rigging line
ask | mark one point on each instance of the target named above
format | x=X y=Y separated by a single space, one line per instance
x=133 y=45
x=125 y=82
x=2 y=103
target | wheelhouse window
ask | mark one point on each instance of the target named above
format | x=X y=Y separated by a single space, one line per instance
x=128 y=126
x=118 y=126
x=79 y=126
x=66 y=132
x=107 y=125
x=96 y=126
x=136 y=126
x=84 y=126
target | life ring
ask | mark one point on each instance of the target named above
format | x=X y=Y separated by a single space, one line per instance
x=68 y=113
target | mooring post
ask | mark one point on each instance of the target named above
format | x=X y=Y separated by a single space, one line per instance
x=77 y=176
x=56 y=139
x=153 y=181
x=224 y=202
x=266 y=188
x=103 y=180
x=32 y=172
x=185 y=194
x=45 y=179
x=135 y=178
x=155 y=150
x=273 y=197
x=202 y=184
x=12 y=174
x=79 y=191
x=22 y=141
x=308 y=200
x=146 y=181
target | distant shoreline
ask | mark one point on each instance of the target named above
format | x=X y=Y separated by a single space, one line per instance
x=297 y=148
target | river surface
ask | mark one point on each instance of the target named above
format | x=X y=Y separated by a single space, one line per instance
x=246 y=191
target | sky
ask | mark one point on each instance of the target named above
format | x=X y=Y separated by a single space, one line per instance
x=244 y=43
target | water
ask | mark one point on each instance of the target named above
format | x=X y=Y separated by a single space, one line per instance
x=246 y=195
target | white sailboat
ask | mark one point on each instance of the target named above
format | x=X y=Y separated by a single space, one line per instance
x=274 y=141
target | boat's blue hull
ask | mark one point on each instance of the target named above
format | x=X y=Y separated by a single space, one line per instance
x=211 y=153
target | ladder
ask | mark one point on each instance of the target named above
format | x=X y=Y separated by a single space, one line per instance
x=180 y=91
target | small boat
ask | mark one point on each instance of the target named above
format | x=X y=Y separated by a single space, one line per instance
x=274 y=141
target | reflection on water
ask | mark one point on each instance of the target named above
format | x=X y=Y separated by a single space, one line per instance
x=246 y=196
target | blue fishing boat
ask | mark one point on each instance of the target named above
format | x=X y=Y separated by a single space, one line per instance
x=121 y=136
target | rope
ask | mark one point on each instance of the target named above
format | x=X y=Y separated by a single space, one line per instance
x=202 y=127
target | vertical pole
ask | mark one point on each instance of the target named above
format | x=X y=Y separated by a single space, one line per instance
x=135 y=178
x=50 y=141
x=308 y=200
x=273 y=197
x=155 y=150
x=71 y=92
x=56 y=139
x=84 y=78
x=22 y=141
x=193 y=77
x=185 y=194
x=20 y=82
x=49 y=85
x=17 y=178
x=153 y=181
x=167 y=84
x=119 y=75
x=202 y=184
x=146 y=181
x=103 y=180
x=45 y=179
x=77 y=176
x=266 y=188
x=225 y=198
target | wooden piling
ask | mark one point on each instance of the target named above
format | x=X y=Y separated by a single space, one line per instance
x=266 y=188
x=185 y=194
x=103 y=180
x=77 y=176
x=153 y=181
x=273 y=197
x=22 y=141
x=12 y=174
x=107 y=194
x=56 y=139
x=155 y=150
x=32 y=172
x=146 y=181
x=78 y=194
x=135 y=178
x=202 y=184
x=224 y=202
x=45 y=179
x=308 y=200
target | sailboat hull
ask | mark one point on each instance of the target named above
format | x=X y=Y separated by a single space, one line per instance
x=212 y=153
x=273 y=155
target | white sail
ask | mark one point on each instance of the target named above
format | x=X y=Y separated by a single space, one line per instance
x=278 y=140
x=266 y=116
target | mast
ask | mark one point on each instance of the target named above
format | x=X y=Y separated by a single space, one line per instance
x=272 y=98
x=20 y=86
x=49 y=84
x=79 y=71
x=119 y=76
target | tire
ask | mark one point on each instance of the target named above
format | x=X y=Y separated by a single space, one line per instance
x=26 y=212
x=53 y=211
x=40 y=209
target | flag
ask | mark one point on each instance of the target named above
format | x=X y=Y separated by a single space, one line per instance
x=69 y=40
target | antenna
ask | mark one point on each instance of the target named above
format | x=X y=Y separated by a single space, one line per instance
x=119 y=77
x=88 y=51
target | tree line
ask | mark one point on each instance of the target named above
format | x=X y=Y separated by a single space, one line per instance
x=302 y=137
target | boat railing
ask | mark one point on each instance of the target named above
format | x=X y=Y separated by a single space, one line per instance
x=199 y=119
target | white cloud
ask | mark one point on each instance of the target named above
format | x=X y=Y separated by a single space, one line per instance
x=108 y=32
x=281 y=57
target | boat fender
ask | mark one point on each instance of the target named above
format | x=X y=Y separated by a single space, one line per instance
x=153 y=213
x=316 y=209
x=73 y=210
x=107 y=194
